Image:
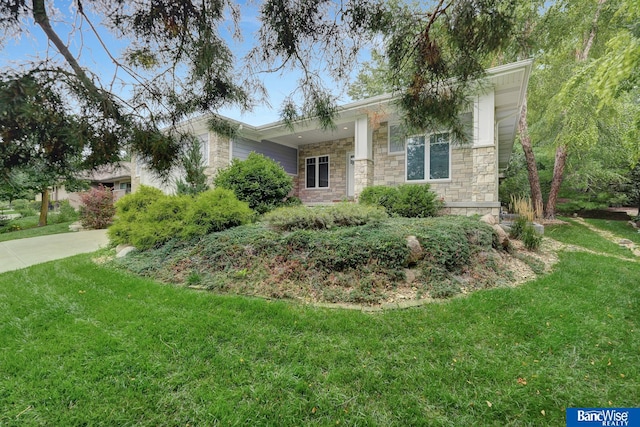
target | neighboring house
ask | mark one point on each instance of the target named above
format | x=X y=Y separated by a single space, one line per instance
x=367 y=148
x=116 y=177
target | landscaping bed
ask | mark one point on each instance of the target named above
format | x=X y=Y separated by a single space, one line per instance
x=369 y=264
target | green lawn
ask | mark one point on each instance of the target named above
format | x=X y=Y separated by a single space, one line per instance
x=30 y=229
x=577 y=234
x=85 y=345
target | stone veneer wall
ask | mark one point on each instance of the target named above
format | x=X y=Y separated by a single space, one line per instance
x=485 y=188
x=219 y=154
x=389 y=169
x=337 y=152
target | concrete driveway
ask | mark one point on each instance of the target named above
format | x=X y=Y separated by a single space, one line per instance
x=21 y=253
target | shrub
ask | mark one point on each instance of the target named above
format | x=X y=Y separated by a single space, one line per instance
x=97 y=208
x=215 y=210
x=321 y=217
x=380 y=195
x=24 y=208
x=129 y=212
x=160 y=222
x=417 y=201
x=148 y=218
x=524 y=231
x=406 y=200
x=66 y=212
x=530 y=237
x=258 y=180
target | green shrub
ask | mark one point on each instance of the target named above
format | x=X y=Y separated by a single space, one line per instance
x=530 y=237
x=129 y=212
x=380 y=195
x=321 y=217
x=417 y=201
x=258 y=180
x=160 y=222
x=524 y=231
x=517 y=228
x=148 y=218
x=24 y=208
x=406 y=200
x=97 y=209
x=215 y=210
x=66 y=212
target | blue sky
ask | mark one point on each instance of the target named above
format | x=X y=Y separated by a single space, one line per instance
x=32 y=45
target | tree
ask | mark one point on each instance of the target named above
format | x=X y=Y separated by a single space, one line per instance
x=195 y=180
x=48 y=143
x=180 y=65
x=14 y=186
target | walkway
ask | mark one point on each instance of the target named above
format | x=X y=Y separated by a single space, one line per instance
x=21 y=253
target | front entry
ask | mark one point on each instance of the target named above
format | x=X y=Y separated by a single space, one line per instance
x=351 y=174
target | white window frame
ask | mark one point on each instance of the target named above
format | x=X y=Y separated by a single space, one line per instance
x=204 y=147
x=427 y=158
x=404 y=143
x=317 y=172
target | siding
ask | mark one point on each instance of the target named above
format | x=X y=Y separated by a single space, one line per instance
x=287 y=157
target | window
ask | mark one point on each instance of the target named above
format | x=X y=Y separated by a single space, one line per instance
x=430 y=160
x=317 y=172
x=397 y=136
x=204 y=148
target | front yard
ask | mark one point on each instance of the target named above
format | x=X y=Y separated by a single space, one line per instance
x=84 y=344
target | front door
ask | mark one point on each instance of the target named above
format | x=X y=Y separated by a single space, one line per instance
x=350 y=173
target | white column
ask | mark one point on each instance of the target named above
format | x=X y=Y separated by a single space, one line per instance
x=484 y=119
x=363 y=139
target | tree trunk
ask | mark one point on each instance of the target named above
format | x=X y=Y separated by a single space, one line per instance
x=556 y=182
x=44 y=208
x=532 y=168
x=561 y=150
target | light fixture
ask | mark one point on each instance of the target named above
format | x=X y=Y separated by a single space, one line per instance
x=299 y=136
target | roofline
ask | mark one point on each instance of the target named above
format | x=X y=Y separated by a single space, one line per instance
x=383 y=99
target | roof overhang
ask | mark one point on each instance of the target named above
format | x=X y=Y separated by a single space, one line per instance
x=509 y=83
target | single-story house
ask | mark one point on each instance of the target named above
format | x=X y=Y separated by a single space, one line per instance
x=117 y=177
x=367 y=148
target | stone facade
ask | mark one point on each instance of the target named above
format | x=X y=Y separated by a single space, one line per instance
x=337 y=152
x=388 y=169
x=363 y=175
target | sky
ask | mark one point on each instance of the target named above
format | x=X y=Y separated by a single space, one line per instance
x=33 y=45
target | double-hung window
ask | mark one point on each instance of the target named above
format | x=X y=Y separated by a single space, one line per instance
x=317 y=172
x=428 y=157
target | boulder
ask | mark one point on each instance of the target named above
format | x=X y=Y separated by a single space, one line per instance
x=503 y=237
x=124 y=250
x=76 y=226
x=416 y=253
x=489 y=219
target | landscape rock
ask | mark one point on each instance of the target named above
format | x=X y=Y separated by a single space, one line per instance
x=503 y=237
x=489 y=219
x=76 y=226
x=124 y=251
x=539 y=228
x=416 y=253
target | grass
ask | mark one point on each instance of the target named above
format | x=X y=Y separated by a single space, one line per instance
x=82 y=344
x=577 y=234
x=29 y=228
x=619 y=228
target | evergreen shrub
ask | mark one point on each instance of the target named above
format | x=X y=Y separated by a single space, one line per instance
x=406 y=200
x=321 y=217
x=148 y=218
x=215 y=210
x=258 y=180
